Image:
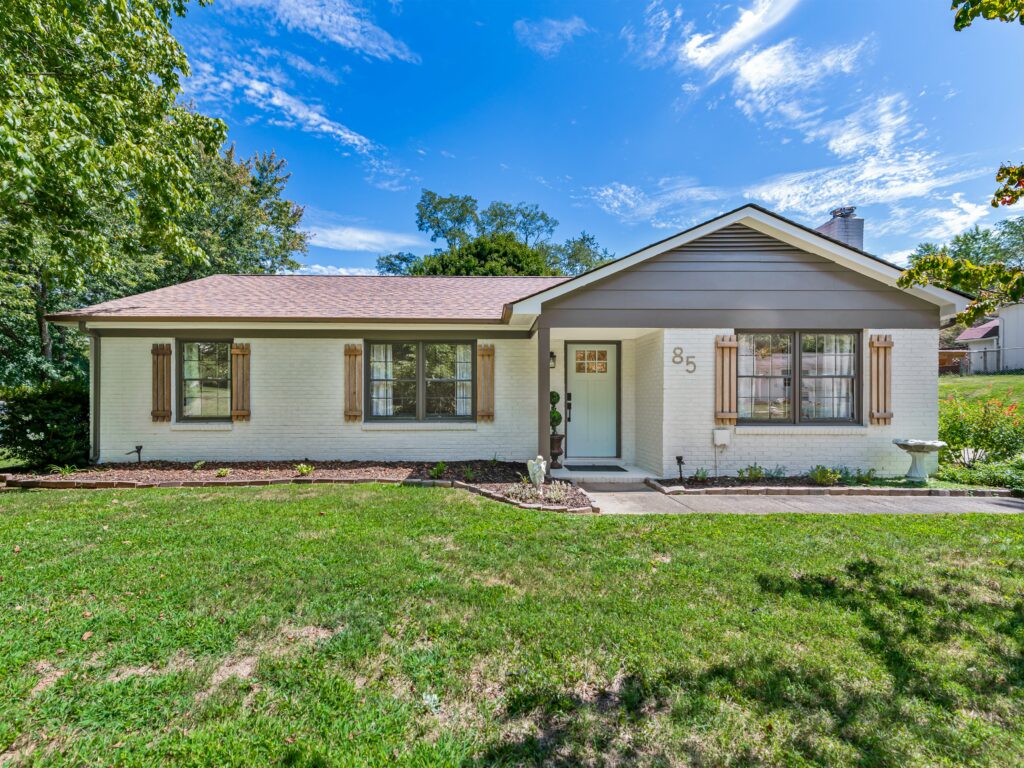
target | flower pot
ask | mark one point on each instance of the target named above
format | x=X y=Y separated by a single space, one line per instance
x=556 y=450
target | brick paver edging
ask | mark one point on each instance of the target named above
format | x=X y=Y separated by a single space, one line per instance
x=107 y=484
x=813 y=490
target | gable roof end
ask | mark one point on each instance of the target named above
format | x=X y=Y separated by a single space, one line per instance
x=768 y=223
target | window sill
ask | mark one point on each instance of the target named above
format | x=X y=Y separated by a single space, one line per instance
x=202 y=426
x=801 y=429
x=419 y=426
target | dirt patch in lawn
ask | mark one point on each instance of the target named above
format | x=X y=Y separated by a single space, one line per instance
x=48 y=675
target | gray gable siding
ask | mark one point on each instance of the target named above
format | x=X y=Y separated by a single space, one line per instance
x=739 y=278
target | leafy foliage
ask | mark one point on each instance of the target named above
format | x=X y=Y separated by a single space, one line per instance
x=502 y=239
x=304 y=470
x=1003 y=10
x=92 y=141
x=977 y=431
x=555 y=418
x=1000 y=474
x=753 y=472
x=1010 y=177
x=47 y=425
x=822 y=475
x=437 y=471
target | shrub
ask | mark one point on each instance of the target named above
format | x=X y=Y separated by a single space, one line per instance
x=437 y=471
x=555 y=417
x=754 y=472
x=47 y=425
x=776 y=474
x=1003 y=474
x=979 y=431
x=701 y=475
x=468 y=475
x=822 y=475
x=67 y=469
x=223 y=472
x=526 y=492
x=198 y=466
x=304 y=469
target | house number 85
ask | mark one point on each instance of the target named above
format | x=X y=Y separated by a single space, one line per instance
x=679 y=359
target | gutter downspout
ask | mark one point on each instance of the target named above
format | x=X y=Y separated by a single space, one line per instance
x=94 y=394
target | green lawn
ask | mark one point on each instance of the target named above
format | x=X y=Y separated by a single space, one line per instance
x=1009 y=387
x=333 y=625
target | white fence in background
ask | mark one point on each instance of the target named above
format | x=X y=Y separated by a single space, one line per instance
x=988 y=361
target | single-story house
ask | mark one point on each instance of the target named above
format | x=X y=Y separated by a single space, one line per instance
x=749 y=338
x=982 y=343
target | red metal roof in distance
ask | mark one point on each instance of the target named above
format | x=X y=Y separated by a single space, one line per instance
x=322 y=298
x=983 y=331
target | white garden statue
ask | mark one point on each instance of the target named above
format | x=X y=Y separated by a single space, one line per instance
x=537 y=468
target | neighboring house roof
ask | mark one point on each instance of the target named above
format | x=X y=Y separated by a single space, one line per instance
x=322 y=298
x=984 y=331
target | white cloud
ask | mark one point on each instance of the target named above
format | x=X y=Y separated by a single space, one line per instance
x=338 y=21
x=899 y=258
x=883 y=164
x=346 y=238
x=706 y=50
x=225 y=77
x=771 y=81
x=331 y=270
x=667 y=205
x=947 y=222
x=548 y=36
x=662 y=32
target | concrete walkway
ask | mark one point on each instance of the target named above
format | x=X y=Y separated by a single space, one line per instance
x=629 y=499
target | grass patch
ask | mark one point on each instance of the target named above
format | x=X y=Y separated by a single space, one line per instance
x=379 y=625
x=9 y=462
x=1006 y=387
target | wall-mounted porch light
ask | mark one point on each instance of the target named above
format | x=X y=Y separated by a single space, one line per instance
x=552 y=359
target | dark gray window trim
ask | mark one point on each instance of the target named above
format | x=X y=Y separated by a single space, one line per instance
x=618 y=391
x=421 y=382
x=179 y=379
x=796 y=421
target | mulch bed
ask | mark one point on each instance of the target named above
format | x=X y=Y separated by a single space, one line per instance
x=166 y=471
x=735 y=482
x=493 y=478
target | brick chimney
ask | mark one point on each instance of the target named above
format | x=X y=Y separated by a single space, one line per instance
x=845 y=227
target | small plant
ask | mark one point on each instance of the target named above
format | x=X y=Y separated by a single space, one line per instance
x=856 y=476
x=198 y=466
x=437 y=471
x=223 y=472
x=526 y=492
x=778 y=473
x=494 y=460
x=304 y=469
x=822 y=475
x=468 y=475
x=701 y=475
x=754 y=472
x=555 y=417
x=63 y=471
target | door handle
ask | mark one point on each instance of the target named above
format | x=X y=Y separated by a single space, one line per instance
x=568 y=407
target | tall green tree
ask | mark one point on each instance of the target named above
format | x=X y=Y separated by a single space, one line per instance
x=90 y=132
x=986 y=263
x=1010 y=177
x=502 y=239
x=246 y=226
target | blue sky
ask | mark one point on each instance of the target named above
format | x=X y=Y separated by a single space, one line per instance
x=628 y=120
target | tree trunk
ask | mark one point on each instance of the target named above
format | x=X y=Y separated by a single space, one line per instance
x=45 y=340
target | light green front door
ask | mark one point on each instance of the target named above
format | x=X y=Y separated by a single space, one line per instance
x=592 y=389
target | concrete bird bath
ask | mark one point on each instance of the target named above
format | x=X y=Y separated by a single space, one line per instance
x=918 y=449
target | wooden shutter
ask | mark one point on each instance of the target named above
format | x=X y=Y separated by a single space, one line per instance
x=485 y=382
x=240 y=382
x=881 y=379
x=725 y=380
x=161 y=382
x=353 y=382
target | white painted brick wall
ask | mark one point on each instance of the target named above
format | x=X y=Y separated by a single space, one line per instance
x=650 y=390
x=297 y=400
x=689 y=413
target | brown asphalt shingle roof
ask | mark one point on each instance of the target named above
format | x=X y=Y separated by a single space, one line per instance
x=322 y=298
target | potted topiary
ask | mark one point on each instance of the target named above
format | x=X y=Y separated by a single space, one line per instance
x=556 y=439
